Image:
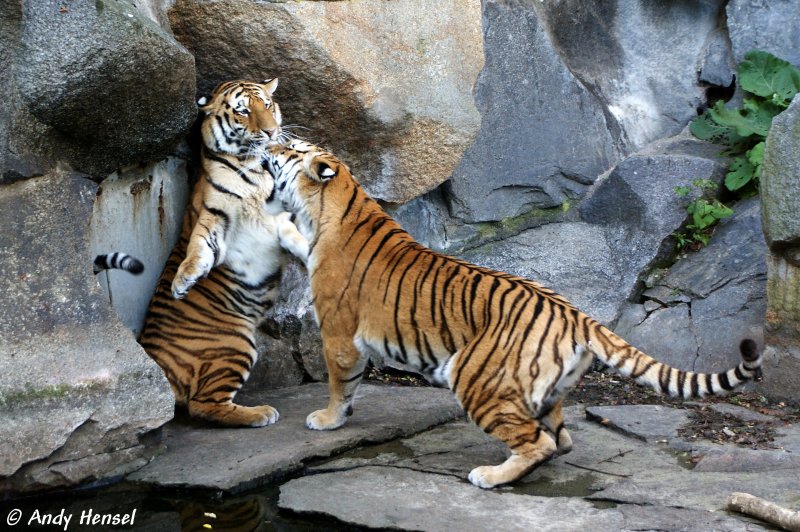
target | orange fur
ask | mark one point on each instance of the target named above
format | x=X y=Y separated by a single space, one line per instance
x=509 y=348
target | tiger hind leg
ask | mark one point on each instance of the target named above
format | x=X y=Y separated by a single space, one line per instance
x=530 y=444
x=213 y=399
x=553 y=421
x=232 y=415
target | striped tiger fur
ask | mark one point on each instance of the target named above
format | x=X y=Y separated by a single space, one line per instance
x=230 y=251
x=509 y=348
x=118 y=261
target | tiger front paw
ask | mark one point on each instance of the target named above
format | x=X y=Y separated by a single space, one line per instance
x=187 y=275
x=324 y=420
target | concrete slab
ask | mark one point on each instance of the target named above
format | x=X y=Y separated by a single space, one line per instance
x=204 y=457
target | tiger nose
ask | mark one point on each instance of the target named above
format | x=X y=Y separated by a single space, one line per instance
x=272 y=132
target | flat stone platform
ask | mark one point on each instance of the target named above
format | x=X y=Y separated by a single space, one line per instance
x=200 y=456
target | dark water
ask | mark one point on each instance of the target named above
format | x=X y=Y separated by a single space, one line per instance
x=159 y=511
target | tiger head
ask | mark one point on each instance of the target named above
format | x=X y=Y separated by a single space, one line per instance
x=241 y=118
x=300 y=171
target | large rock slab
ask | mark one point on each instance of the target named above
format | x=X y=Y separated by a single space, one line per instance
x=254 y=457
x=78 y=394
x=388 y=91
x=703 y=490
x=779 y=201
x=89 y=91
x=780 y=173
x=396 y=498
x=709 y=300
x=389 y=497
x=599 y=457
x=650 y=423
x=584 y=84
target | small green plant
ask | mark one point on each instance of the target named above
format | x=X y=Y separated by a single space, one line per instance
x=770 y=84
x=706 y=210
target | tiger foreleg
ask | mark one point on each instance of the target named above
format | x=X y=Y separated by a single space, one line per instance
x=205 y=250
x=291 y=239
x=345 y=368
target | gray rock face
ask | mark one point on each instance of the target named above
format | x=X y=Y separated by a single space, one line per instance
x=708 y=301
x=522 y=142
x=396 y=105
x=122 y=90
x=763 y=26
x=78 y=394
x=583 y=85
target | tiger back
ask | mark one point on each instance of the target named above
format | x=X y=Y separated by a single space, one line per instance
x=509 y=348
x=224 y=271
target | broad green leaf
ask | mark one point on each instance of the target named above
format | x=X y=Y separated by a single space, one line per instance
x=756 y=154
x=745 y=122
x=764 y=74
x=705 y=128
x=682 y=191
x=740 y=173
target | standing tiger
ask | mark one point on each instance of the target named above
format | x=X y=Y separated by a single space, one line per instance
x=232 y=249
x=507 y=347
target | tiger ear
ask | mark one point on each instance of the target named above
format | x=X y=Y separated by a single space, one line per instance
x=270 y=85
x=321 y=169
x=203 y=104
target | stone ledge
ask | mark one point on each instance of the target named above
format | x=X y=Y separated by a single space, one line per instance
x=199 y=456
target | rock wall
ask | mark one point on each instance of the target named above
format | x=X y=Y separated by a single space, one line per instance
x=541 y=138
x=88 y=87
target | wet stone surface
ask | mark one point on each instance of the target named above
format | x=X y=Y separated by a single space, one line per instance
x=402 y=460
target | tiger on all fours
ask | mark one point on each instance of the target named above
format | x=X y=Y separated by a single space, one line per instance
x=507 y=347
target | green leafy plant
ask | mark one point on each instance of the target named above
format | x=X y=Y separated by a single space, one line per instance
x=706 y=210
x=770 y=84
